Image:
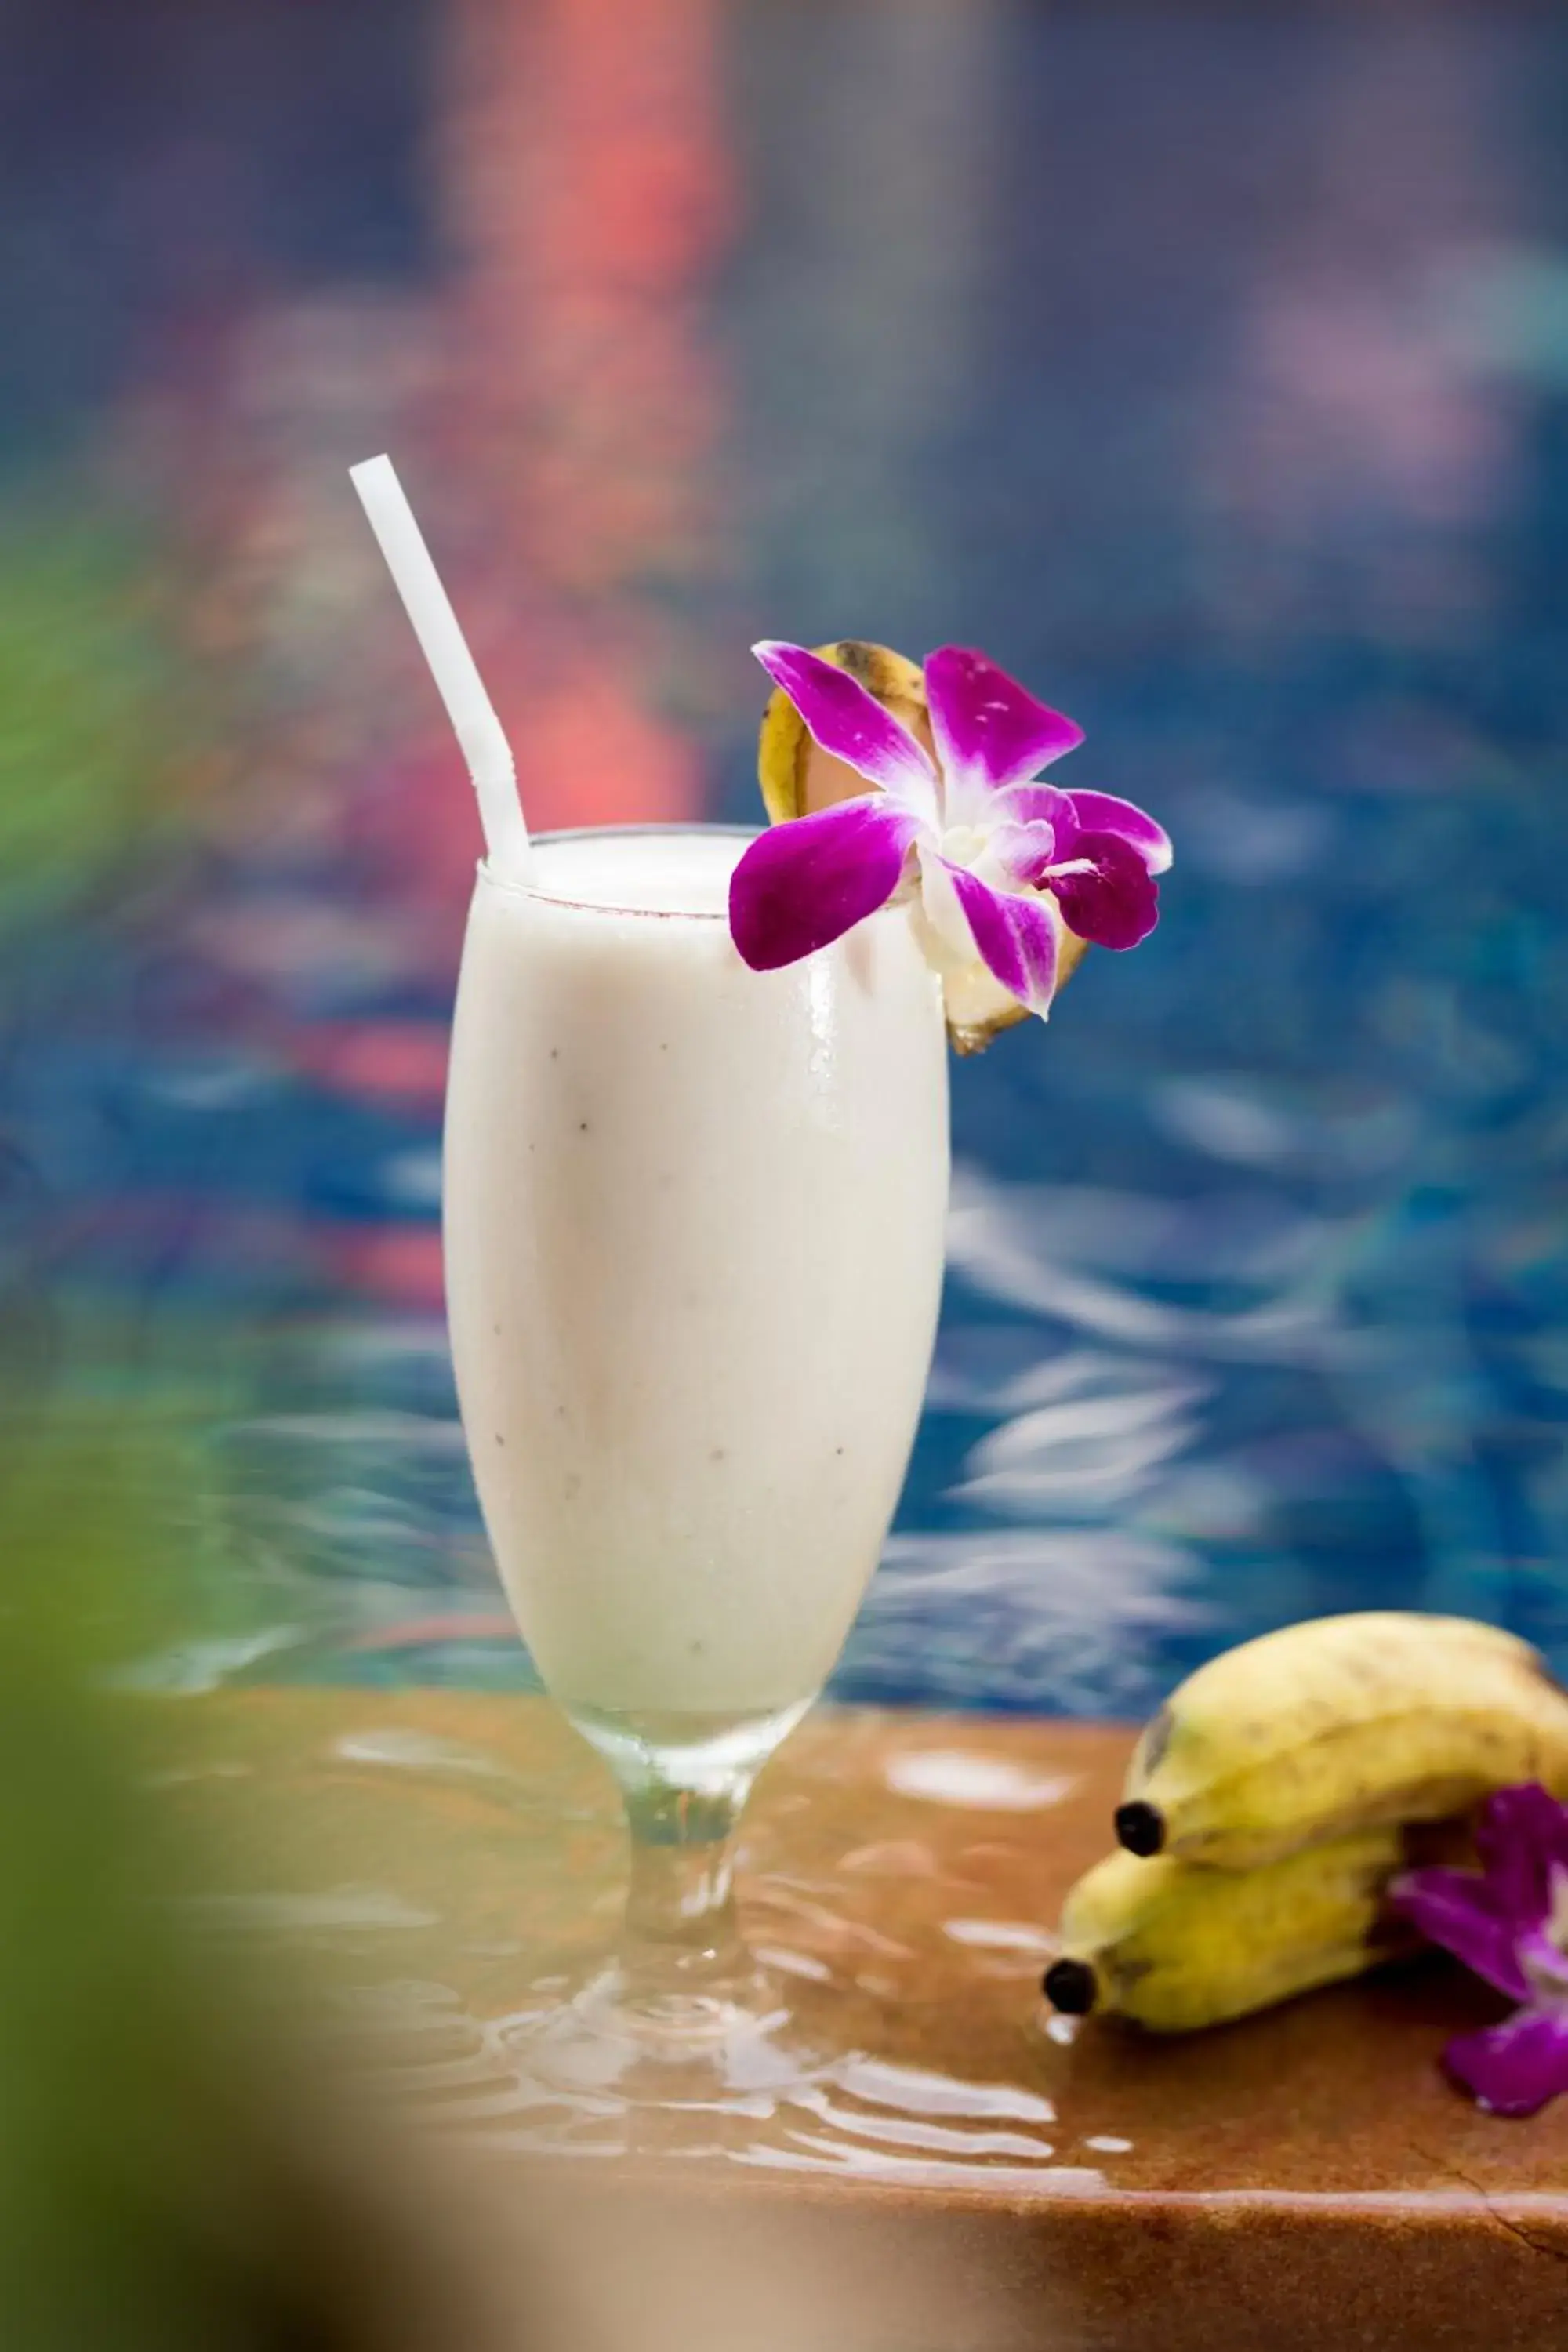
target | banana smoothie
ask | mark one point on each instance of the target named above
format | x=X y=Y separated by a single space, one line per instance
x=693 y=1228
x=694 y=1205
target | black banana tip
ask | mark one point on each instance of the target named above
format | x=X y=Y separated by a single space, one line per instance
x=1069 y=1986
x=1141 y=1828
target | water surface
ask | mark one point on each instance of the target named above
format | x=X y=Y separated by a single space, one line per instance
x=1209 y=368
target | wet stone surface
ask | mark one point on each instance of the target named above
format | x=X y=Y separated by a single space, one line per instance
x=445 y=1864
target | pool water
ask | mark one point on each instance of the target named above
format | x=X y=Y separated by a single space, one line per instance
x=1210 y=369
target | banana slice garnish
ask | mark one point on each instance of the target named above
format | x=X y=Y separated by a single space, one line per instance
x=798 y=777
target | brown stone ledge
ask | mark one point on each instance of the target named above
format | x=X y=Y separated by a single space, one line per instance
x=1305 y=2182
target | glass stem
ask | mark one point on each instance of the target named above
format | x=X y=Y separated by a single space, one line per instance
x=684 y=1781
x=681 y=1928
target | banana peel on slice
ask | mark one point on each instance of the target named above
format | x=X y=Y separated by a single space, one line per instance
x=798 y=777
x=977 y=1005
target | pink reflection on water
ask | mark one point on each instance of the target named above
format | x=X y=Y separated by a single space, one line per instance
x=401 y=1063
x=397 y=1264
x=1352 y=423
x=585 y=180
x=557 y=408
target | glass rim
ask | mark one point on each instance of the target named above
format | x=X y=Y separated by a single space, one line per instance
x=654 y=826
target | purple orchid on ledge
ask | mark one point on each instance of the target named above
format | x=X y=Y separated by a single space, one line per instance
x=997 y=860
x=1509 y=1922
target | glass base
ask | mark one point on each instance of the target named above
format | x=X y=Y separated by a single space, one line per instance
x=728 y=2042
x=828 y=2090
x=681 y=2017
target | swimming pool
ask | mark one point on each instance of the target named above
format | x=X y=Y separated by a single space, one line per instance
x=1211 y=371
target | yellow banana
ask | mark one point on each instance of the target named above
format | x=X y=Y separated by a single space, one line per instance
x=1338 y=1725
x=1177 y=1947
x=797 y=776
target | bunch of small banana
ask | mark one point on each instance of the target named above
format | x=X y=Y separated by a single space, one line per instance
x=1274 y=1796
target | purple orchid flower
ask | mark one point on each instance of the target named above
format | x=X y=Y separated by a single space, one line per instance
x=1509 y=1922
x=1000 y=860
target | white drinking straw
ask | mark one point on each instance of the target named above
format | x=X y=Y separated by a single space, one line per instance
x=452 y=666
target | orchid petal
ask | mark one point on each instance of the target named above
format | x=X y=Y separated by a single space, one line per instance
x=1514 y=2068
x=1075 y=813
x=800 y=885
x=1014 y=936
x=1036 y=804
x=989 y=732
x=942 y=906
x=1021 y=852
x=1458 y=1909
x=1103 y=813
x=1117 y=902
x=851 y=724
x=1522 y=1833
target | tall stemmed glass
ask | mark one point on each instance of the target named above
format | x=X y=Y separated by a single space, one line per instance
x=693 y=1222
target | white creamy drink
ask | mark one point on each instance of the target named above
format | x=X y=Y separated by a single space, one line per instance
x=693 y=1221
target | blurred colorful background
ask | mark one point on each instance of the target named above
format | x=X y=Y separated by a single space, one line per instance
x=1209 y=367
